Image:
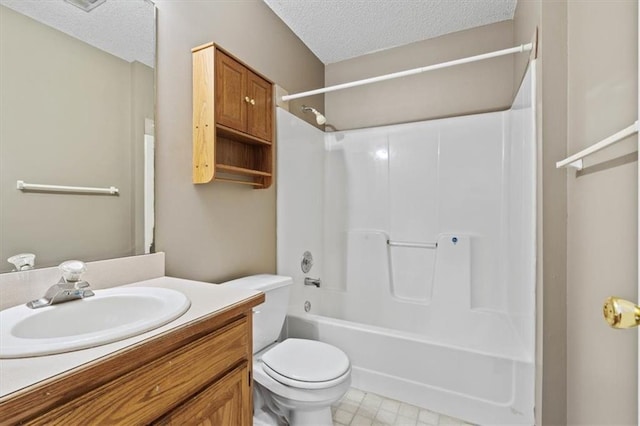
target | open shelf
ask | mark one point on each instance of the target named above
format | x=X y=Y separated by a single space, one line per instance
x=230 y=133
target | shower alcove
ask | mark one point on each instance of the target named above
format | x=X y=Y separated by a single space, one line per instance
x=423 y=236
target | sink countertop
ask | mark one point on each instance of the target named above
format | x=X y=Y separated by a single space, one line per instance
x=206 y=298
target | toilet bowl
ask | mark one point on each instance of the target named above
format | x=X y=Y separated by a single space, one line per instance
x=303 y=379
x=297 y=380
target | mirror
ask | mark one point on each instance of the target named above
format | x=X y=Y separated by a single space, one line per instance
x=77 y=109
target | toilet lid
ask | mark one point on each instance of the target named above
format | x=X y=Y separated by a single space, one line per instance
x=306 y=360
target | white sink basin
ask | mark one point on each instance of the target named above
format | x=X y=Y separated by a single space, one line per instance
x=111 y=315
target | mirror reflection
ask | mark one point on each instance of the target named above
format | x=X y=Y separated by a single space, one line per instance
x=77 y=109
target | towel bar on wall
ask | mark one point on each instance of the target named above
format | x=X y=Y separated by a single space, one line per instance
x=575 y=161
x=22 y=186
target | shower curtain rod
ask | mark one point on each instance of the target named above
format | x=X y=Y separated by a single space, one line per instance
x=518 y=49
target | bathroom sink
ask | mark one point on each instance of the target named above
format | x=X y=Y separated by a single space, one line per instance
x=111 y=315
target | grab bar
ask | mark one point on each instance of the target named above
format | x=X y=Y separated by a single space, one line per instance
x=411 y=244
x=22 y=186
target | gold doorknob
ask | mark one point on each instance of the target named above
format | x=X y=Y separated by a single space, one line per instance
x=247 y=99
x=252 y=101
x=620 y=313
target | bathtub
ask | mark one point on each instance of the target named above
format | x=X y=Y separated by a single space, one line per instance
x=473 y=385
x=432 y=348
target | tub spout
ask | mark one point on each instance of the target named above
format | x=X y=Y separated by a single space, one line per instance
x=312 y=281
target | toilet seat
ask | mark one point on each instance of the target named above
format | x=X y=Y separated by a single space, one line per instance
x=306 y=364
x=301 y=384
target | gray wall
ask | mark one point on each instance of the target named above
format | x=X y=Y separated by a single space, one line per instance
x=217 y=231
x=66 y=111
x=602 y=212
x=467 y=89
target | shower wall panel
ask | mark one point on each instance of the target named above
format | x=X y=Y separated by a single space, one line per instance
x=519 y=214
x=300 y=174
x=414 y=182
x=345 y=195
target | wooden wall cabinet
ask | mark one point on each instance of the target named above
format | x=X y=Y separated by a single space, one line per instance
x=199 y=374
x=232 y=120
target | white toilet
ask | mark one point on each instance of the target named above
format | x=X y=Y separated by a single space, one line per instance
x=296 y=380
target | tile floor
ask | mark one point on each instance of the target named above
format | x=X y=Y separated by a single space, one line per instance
x=358 y=408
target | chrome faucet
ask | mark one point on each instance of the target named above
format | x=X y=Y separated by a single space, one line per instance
x=70 y=287
x=312 y=281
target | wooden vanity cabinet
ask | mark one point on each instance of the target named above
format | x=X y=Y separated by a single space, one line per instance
x=197 y=374
x=232 y=120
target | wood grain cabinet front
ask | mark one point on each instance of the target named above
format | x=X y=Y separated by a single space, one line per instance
x=232 y=120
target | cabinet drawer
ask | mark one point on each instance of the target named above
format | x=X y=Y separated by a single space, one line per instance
x=147 y=393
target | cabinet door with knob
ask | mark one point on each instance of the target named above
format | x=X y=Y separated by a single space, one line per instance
x=243 y=98
x=259 y=116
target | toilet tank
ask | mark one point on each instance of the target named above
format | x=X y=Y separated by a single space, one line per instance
x=269 y=316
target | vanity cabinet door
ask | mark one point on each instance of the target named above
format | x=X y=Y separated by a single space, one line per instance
x=225 y=402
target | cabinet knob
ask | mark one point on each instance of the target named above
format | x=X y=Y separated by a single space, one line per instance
x=246 y=99
x=252 y=101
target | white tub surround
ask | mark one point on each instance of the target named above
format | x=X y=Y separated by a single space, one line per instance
x=423 y=237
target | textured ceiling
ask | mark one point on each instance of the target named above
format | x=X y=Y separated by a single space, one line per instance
x=123 y=28
x=336 y=30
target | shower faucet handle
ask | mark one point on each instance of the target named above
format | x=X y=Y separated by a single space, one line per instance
x=312 y=281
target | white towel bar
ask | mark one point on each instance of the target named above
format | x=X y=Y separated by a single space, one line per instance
x=575 y=161
x=22 y=186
